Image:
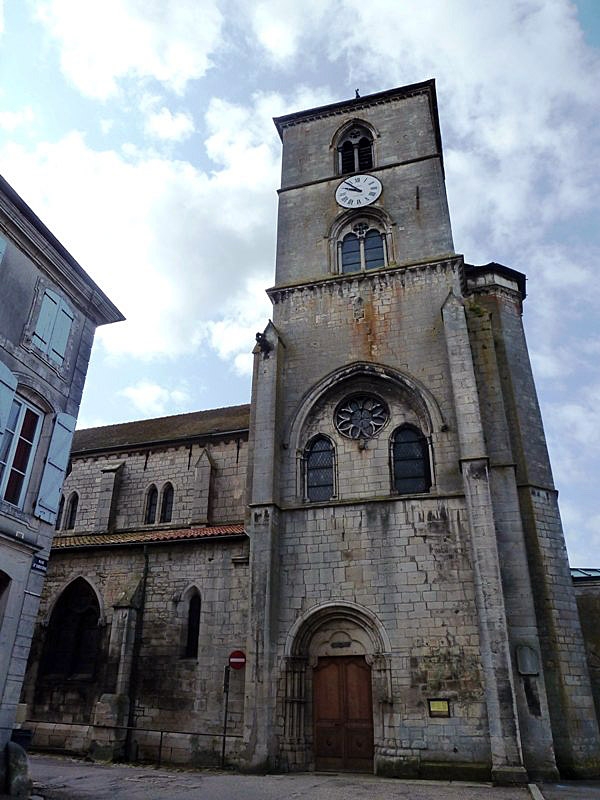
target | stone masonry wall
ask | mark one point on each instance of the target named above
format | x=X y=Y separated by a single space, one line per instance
x=175 y=464
x=407 y=561
x=173 y=693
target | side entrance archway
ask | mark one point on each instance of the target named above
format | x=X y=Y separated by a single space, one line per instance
x=337 y=682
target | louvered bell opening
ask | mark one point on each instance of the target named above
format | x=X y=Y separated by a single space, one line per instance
x=411 y=468
x=365 y=153
x=374 y=256
x=347 y=158
x=319 y=471
x=350 y=253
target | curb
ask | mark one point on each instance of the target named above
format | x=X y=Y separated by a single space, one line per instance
x=535 y=792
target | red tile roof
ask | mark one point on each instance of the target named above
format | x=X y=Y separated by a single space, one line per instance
x=147 y=536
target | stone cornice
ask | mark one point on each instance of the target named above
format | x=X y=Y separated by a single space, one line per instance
x=332 y=282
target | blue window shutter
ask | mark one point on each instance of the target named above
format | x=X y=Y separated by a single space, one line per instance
x=46 y=320
x=46 y=507
x=60 y=333
x=3 y=244
x=8 y=385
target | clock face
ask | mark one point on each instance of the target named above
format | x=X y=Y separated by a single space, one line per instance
x=357 y=191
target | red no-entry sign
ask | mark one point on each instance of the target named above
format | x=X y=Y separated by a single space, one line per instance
x=237 y=659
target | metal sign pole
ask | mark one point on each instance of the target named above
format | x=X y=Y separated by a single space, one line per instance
x=226 y=693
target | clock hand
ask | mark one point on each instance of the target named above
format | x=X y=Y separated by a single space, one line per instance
x=351 y=187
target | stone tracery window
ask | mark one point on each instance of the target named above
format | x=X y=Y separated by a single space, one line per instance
x=355 y=151
x=411 y=471
x=362 y=248
x=319 y=469
x=361 y=416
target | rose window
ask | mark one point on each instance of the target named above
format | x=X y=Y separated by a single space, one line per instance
x=361 y=417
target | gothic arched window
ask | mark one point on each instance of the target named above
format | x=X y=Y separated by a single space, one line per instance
x=319 y=462
x=411 y=472
x=73 y=636
x=362 y=248
x=193 y=625
x=355 y=151
x=71 y=513
x=166 y=505
x=151 y=505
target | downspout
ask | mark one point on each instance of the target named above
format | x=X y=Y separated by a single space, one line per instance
x=135 y=657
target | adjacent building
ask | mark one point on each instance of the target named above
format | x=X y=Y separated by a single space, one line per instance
x=378 y=531
x=49 y=310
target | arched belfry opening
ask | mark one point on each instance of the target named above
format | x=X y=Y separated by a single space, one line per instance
x=337 y=681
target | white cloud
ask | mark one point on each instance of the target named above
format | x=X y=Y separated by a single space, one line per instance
x=11 y=120
x=163 y=124
x=172 y=246
x=151 y=399
x=101 y=44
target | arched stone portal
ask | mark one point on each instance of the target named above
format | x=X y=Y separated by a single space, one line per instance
x=337 y=684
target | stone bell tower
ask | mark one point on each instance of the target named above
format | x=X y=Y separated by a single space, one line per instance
x=410 y=598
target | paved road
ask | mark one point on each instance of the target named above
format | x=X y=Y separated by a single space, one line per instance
x=62 y=778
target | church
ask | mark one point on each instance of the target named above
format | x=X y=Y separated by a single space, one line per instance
x=376 y=535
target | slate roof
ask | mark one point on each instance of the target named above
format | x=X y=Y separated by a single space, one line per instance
x=146 y=432
x=587 y=574
x=147 y=536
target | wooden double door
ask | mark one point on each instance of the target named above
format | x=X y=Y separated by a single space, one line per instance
x=343 y=714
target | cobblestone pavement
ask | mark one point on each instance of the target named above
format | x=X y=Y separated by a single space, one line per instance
x=62 y=778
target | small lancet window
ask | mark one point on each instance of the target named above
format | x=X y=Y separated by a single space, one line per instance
x=151 y=505
x=71 y=514
x=319 y=460
x=410 y=461
x=166 y=506
x=193 y=626
x=362 y=249
x=355 y=151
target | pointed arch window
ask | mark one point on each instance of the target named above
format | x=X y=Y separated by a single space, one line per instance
x=362 y=248
x=151 y=505
x=319 y=466
x=71 y=513
x=166 y=505
x=355 y=151
x=411 y=472
x=73 y=637
x=193 y=625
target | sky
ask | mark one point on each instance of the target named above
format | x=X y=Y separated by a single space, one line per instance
x=140 y=132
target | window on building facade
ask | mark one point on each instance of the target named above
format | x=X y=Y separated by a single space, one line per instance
x=4 y=590
x=355 y=151
x=319 y=467
x=51 y=334
x=166 y=505
x=17 y=450
x=362 y=248
x=411 y=471
x=193 y=626
x=73 y=637
x=151 y=505
x=71 y=514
